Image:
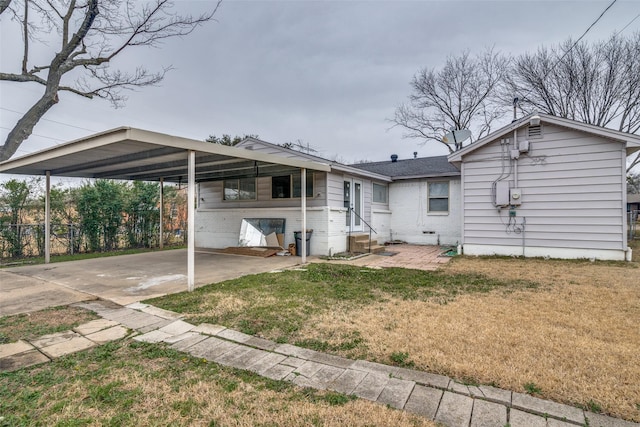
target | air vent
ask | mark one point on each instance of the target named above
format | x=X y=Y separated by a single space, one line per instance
x=535 y=131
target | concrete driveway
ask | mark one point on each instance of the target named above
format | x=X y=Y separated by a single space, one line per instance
x=122 y=279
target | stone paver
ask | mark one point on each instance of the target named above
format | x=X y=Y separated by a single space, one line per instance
x=488 y=414
x=455 y=410
x=558 y=410
x=94 y=326
x=524 y=419
x=267 y=362
x=185 y=341
x=347 y=381
x=261 y=343
x=459 y=388
x=327 y=375
x=14 y=348
x=232 y=335
x=598 y=420
x=177 y=327
x=424 y=378
x=396 y=393
x=208 y=328
x=152 y=337
x=107 y=335
x=51 y=339
x=22 y=360
x=277 y=372
x=73 y=345
x=496 y=394
x=424 y=401
x=371 y=386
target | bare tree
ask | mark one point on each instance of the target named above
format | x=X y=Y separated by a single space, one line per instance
x=91 y=34
x=597 y=84
x=458 y=96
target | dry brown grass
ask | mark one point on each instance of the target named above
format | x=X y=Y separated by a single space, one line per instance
x=577 y=338
x=197 y=400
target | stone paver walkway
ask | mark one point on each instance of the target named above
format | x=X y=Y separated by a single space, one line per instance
x=432 y=396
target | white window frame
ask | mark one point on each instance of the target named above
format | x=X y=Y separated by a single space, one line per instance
x=386 y=193
x=429 y=198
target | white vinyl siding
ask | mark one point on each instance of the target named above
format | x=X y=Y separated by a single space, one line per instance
x=572 y=193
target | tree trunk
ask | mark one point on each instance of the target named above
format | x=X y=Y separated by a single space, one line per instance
x=25 y=125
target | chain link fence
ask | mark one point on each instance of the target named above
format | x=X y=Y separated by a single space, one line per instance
x=28 y=240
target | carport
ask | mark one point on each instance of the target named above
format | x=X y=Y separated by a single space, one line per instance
x=134 y=154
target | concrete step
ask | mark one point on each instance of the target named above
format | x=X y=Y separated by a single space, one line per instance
x=364 y=248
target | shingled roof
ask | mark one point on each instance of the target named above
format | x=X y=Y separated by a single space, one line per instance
x=423 y=167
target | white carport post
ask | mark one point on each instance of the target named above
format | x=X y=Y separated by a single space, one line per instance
x=303 y=242
x=47 y=218
x=161 y=240
x=191 y=200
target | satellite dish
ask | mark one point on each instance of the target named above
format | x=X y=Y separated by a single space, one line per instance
x=457 y=136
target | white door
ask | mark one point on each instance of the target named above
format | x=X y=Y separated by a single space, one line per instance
x=353 y=200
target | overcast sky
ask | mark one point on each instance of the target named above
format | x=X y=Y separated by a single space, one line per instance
x=328 y=73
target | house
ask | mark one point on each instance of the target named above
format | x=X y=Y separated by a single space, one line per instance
x=545 y=186
x=633 y=202
x=540 y=186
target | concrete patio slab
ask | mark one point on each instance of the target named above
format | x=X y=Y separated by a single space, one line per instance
x=424 y=378
x=152 y=337
x=184 y=344
x=266 y=363
x=21 y=293
x=124 y=279
x=347 y=381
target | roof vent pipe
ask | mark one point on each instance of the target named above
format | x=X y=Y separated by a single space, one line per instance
x=415 y=154
x=394 y=158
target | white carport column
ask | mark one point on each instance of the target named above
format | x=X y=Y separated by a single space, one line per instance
x=161 y=219
x=47 y=218
x=191 y=216
x=303 y=191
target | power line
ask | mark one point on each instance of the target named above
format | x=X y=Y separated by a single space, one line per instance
x=555 y=64
x=630 y=22
x=50 y=120
x=41 y=136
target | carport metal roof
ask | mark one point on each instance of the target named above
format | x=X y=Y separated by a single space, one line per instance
x=136 y=154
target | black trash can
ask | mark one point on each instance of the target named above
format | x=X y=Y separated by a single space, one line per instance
x=298 y=236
